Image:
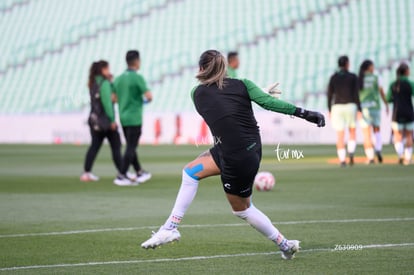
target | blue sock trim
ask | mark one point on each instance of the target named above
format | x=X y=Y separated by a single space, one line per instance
x=192 y=171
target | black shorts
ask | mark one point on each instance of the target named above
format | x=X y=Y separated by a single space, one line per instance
x=238 y=172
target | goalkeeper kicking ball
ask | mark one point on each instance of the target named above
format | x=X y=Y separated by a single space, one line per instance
x=264 y=181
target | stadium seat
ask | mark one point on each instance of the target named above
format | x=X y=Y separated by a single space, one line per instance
x=294 y=42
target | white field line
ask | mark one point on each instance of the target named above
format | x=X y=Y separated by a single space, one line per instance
x=97 y=230
x=194 y=258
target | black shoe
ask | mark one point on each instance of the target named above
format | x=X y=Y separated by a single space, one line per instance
x=401 y=161
x=379 y=156
x=351 y=159
x=343 y=164
x=371 y=161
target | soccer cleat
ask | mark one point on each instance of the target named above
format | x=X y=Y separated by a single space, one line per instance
x=293 y=248
x=122 y=180
x=88 y=176
x=379 y=156
x=401 y=161
x=370 y=161
x=342 y=164
x=163 y=236
x=351 y=159
x=131 y=176
x=143 y=176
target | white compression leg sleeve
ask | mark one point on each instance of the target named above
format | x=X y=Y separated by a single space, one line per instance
x=261 y=223
x=187 y=193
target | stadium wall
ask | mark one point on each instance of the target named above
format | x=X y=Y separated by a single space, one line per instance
x=73 y=128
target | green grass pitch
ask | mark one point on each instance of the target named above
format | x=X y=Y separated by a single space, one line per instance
x=51 y=223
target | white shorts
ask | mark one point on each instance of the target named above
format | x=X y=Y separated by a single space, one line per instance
x=343 y=116
x=370 y=117
x=408 y=126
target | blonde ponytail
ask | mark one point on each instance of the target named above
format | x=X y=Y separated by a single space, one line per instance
x=213 y=69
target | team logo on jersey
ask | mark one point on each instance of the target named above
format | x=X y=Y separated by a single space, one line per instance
x=227 y=185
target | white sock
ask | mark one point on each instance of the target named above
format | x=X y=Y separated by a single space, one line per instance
x=341 y=154
x=185 y=196
x=351 y=146
x=369 y=152
x=399 y=148
x=408 y=153
x=262 y=223
x=378 y=142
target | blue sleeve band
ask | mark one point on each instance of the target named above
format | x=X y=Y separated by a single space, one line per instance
x=192 y=171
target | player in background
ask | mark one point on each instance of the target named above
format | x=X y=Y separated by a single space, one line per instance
x=233 y=64
x=370 y=91
x=400 y=94
x=237 y=156
x=101 y=118
x=131 y=91
x=343 y=105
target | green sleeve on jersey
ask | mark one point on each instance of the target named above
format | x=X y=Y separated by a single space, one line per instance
x=142 y=84
x=267 y=101
x=106 y=91
x=389 y=94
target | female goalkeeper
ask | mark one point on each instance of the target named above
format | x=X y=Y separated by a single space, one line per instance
x=225 y=105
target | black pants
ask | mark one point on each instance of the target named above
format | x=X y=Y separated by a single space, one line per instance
x=97 y=140
x=132 y=135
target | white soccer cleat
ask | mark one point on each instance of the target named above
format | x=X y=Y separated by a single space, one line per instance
x=88 y=176
x=124 y=181
x=131 y=175
x=293 y=247
x=143 y=176
x=163 y=236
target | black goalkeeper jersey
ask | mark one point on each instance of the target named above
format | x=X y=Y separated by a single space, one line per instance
x=229 y=115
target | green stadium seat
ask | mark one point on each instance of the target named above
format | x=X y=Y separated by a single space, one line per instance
x=170 y=37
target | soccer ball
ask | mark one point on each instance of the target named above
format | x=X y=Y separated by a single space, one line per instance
x=264 y=181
